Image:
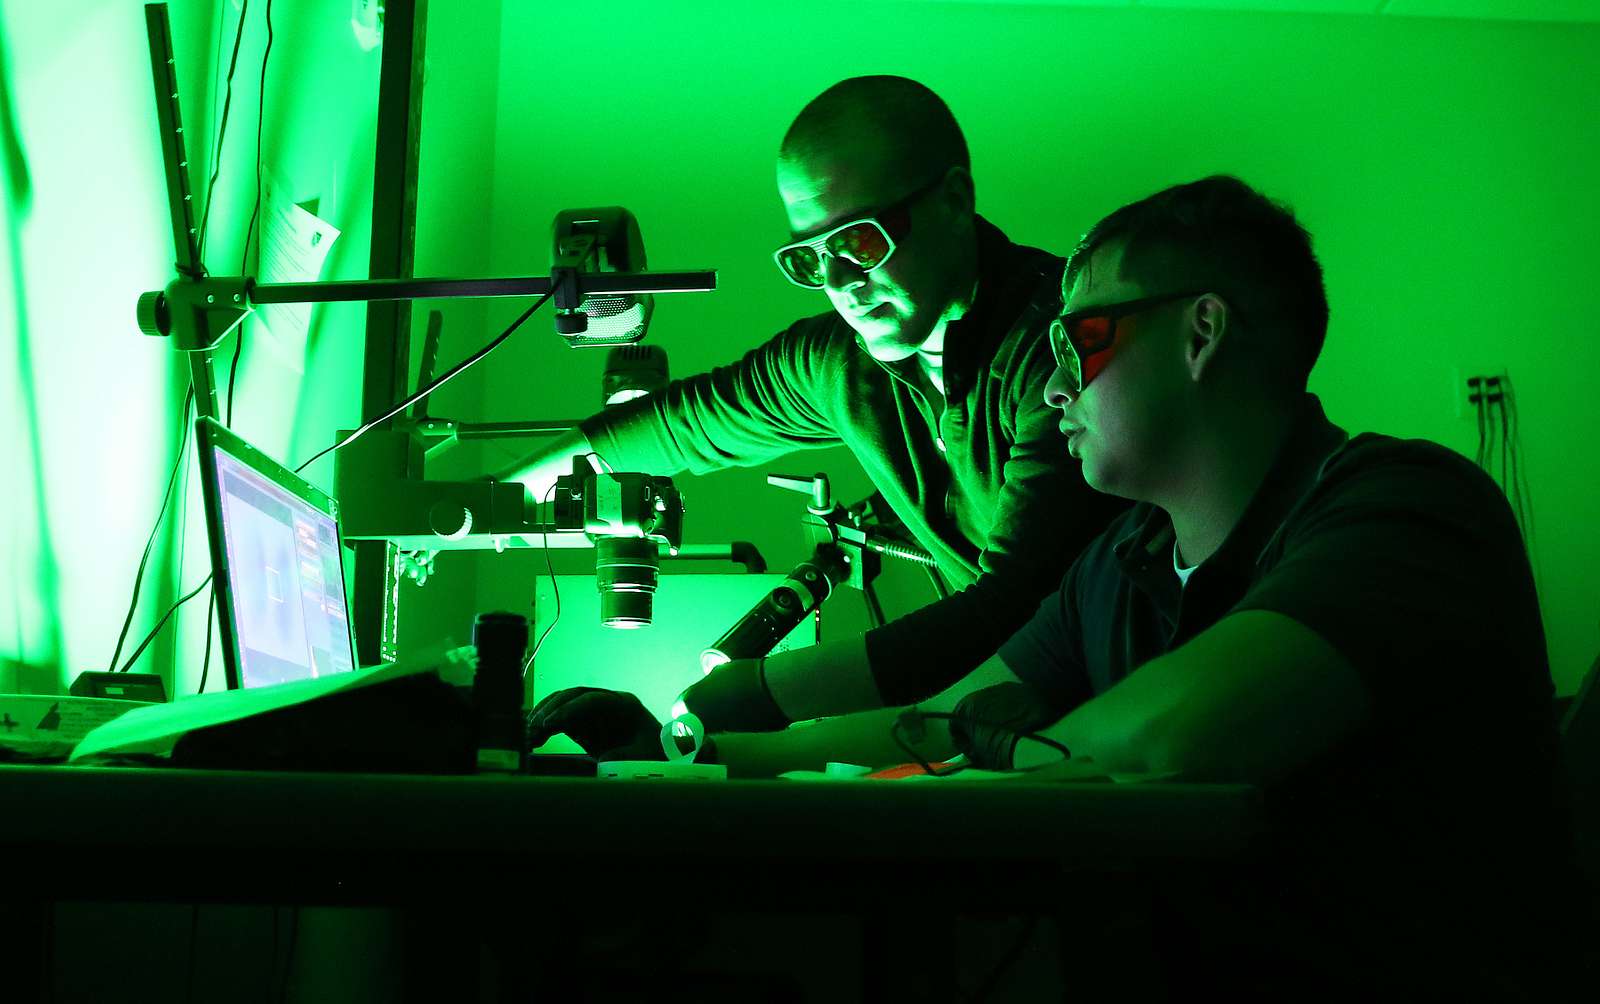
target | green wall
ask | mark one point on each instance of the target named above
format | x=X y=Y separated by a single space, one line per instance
x=1443 y=167
x=91 y=405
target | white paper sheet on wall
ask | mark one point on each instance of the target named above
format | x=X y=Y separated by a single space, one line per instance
x=294 y=247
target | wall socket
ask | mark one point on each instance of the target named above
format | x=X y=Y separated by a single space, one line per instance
x=1468 y=381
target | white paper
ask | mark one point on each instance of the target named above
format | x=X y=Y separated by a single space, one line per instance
x=50 y=726
x=294 y=247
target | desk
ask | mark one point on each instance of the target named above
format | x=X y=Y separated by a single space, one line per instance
x=871 y=849
x=354 y=838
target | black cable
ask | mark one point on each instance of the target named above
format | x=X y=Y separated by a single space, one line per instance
x=288 y=959
x=183 y=550
x=1524 y=505
x=272 y=960
x=233 y=368
x=1488 y=438
x=149 y=544
x=205 y=665
x=430 y=388
x=916 y=714
x=194 y=936
x=163 y=623
x=261 y=115
x=222 y=128
x=1006 y=962
x=906 y=748
x=1066 y=754
x=544 y=531
x=1505 y=479
x=1477 y=400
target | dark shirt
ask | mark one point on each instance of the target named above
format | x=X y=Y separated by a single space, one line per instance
x=979 y=476
x=1432 y=847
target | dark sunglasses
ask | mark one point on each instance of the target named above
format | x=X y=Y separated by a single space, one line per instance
x=1083 y=340
x=867 y=242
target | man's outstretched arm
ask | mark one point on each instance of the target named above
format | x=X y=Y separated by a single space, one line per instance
x=1250 y=699
x=863 y=738
x=538 y=470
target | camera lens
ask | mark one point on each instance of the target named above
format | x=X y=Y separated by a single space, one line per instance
x=625 y=572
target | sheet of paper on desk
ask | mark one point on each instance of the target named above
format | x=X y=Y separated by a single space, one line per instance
x=38 y=725
x=156 y=728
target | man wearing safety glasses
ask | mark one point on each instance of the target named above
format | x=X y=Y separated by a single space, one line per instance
x=929 y=365
x=1349 y=623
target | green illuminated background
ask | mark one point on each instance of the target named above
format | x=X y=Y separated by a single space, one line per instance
x=1443 y=164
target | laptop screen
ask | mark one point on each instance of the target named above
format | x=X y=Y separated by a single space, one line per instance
x=282 y=570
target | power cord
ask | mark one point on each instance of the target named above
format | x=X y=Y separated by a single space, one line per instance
x=233 y=369
x=1517 y=487
x=185 y=598
x=288 y=958
x=550 y=567
x=915 y=719
x=222 y=128
x=1499 y=432
x=1007 y=960
x=544 y=533
x=438 y=382
x=149 y=545
x=261 y=114
x=205 y=665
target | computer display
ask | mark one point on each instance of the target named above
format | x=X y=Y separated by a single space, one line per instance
x=278 y=564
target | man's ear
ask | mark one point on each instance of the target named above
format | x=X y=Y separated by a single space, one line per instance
x=1208 y=321
x=958 y=192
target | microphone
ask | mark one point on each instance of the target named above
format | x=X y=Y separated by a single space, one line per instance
x=587 y=242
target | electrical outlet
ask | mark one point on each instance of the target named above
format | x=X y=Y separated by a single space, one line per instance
x=1468 y=381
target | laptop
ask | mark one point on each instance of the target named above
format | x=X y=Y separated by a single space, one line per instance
x=277 y=563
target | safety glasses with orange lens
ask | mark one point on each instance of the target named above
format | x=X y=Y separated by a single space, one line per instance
x=1083 y=341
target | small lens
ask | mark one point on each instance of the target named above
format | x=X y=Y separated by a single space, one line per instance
x=1065 y=356
x=863 y=243
x=803 y=265
x=1092 y=334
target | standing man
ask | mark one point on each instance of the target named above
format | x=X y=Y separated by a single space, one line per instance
x=929 y=364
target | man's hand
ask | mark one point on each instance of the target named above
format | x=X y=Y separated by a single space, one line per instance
x=608 y=724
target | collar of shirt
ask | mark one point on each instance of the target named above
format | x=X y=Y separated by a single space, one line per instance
x=1217 y=583
x=1007 y=275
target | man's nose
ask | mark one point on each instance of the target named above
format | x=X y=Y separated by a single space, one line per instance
x=841 y=274
x=1059 y=391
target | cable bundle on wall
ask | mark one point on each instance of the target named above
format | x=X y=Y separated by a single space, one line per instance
x=1500 y=444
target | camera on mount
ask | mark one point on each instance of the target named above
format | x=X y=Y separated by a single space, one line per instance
x=629 y=517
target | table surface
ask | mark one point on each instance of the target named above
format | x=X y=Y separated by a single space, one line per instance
x=138 y=833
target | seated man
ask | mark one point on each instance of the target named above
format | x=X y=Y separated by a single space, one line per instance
x=1348 y=622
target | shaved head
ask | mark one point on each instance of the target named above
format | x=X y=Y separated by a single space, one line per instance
x=905 y=127
x=870 y=145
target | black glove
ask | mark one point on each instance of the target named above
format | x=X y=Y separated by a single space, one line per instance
x=987 y=723
x=608 y=724
x=734 y=698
